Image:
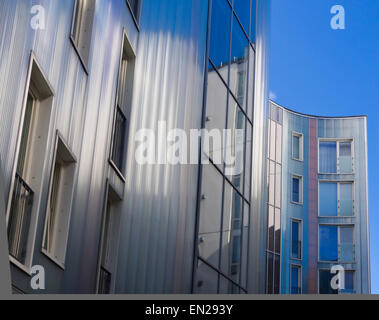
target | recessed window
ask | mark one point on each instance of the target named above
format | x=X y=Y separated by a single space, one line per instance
x=296 y=239
x=109 y=246
x=296 y=280
x=297 y=190
x=336 y=199
x=22 y=214
x=297 y=146
x=82 y=25
x=337 y=244
x=123 y=106
x=336 y=157
x=59 y=205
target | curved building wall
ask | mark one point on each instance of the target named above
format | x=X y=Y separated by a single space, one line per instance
x=324 y=194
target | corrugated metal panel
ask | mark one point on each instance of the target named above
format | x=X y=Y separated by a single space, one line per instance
x=82 y=111
x=158 y=230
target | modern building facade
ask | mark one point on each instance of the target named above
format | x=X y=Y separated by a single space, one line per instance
x=317 y=204
x=80 y=80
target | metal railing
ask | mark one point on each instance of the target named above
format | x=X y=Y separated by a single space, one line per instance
x=19 y=219
x=105 y=281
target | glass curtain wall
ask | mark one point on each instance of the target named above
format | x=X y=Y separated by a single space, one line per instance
x=274 y=180
x=224 y=208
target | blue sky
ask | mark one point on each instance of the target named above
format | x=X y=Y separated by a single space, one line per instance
x=315 y=69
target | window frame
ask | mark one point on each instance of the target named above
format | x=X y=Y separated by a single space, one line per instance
x=338 y=141
x=121 y=172
x=301 y=189
x=339 y=226
x=338 y=182
x=301 y=146
x=300 y=222
x=339 y=290
x=59 y=139
x=47 y=92
x=113 y=198
x=300 y=275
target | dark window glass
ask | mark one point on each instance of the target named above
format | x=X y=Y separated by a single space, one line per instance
x=296 y=147
x=295 y=280
x=134 y=5
x=270 y=273
x=296 y=241
x=328 y=243
x=296 y=190
x=253 y=20
x=119 y=140
x=325 y=283
x=277 y=275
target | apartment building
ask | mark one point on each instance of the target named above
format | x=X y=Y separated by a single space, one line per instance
x=80 y=80
x=317 y=204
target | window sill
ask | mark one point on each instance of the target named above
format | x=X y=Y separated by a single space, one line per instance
x=117 y=170
x=297 y=203
x=84 y=65
x=297 y=259
x=20 y=266
x=336 y=262
x=298 y=160
x=54 y=260
x=339 y=217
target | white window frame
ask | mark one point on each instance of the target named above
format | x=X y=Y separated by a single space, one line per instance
x=301 y=187
x=300 y=268
x=338 y=182
x=301 y=146
x=46 y=90
x=338 y=141
x=115 y=237
x=339 y=226
x=60 y=262
x=126 y=48
x=300 y=221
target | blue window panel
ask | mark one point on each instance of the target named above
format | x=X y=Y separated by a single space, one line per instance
x=296 y=147
x=349 y=283
x=325 y=286
x=346 y=165
x=347 y=247
x=296 y=190
x=296 y=239
x=346 y=199
x=295 y=285
x=328 y=199
x=328 y=157
x=328 y=243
